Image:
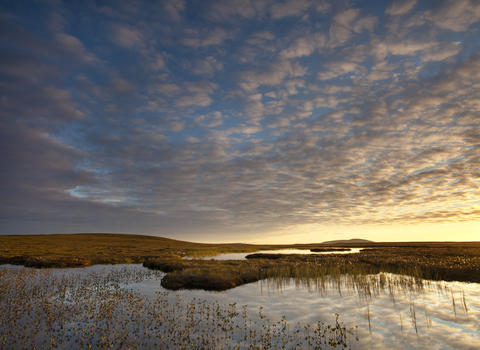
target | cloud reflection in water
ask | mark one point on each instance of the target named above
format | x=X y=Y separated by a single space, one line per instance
x=393 y=313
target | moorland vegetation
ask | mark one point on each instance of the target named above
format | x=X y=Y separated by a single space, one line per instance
x=450 y=261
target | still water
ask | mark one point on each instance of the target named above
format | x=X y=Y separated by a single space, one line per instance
x=241 y=256
x=432 y=317
x=390 y=311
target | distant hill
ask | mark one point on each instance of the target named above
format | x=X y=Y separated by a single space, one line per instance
x=349 y=241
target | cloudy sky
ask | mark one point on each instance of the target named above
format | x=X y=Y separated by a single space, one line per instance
x=241 y=120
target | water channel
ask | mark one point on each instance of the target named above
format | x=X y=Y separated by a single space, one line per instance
x=242 y=256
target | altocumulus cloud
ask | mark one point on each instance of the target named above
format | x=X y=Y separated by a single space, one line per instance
x=184 y=117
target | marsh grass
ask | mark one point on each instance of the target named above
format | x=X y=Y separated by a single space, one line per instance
x=205 y=274
x=222 y=275
x=45 y=309
x=452 y=261
x=368 y=287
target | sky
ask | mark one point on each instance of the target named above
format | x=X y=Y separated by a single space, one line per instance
x=241 y=121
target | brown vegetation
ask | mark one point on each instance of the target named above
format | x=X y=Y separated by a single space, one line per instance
x=320 y=250
x=66 y=250
x=450 y=261
x=451 y=264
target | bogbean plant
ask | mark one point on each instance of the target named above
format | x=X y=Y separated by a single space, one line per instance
x=45 y=309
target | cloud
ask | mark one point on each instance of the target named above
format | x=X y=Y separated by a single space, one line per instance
x=272 y=75
x=157 y=62
x=290 y=8
x=224 y=11
x=378 y=75
x=63 y=45
x=155 y=105
x=347 y=17
x=207 y=66
x=271 y=94
x=125 y=35
x=204 y=38
x=365 y=23
x=48 y=104
x=255 y=109
x=165 y=89
x=177 y=126
x=292 y=84
x=32 y=154
x=244 y=129
x=441 y=52
x=336 y=69
x=174 y=8
x=199 y=99
x=122 y=85
x=22 y=38
x=344 y=25
x=265 y=35
x=304 y=46
x=471 y=68
x=74 y=48
x=24 y=68
x=338 y=35
x=455 y=15
x=400 y=7
x=407 y=47
x=241 y=114
x=201 y=86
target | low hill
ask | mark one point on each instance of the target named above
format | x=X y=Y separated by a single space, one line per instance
x=87 y=248
x=349 y=241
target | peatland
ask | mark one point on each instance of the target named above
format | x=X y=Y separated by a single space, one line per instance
x=450 y=261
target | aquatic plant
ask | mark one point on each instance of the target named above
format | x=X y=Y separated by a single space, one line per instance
x=74 y=309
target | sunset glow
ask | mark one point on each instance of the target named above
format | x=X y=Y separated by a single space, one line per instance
x=241 y=121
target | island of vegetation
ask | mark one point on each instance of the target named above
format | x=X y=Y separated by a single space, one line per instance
x=450 y=261
x=326 y=250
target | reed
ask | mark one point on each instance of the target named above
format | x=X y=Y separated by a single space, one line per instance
x=222 y=275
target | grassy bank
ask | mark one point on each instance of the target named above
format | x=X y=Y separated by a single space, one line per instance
x=451 y=261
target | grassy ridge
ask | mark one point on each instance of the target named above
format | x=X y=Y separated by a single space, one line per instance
x=102 y=245
x=86 y=249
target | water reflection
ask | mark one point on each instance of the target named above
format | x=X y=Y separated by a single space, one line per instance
x=391 y=311
x=241 y=256
x=395 y=312
x=84 y=309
